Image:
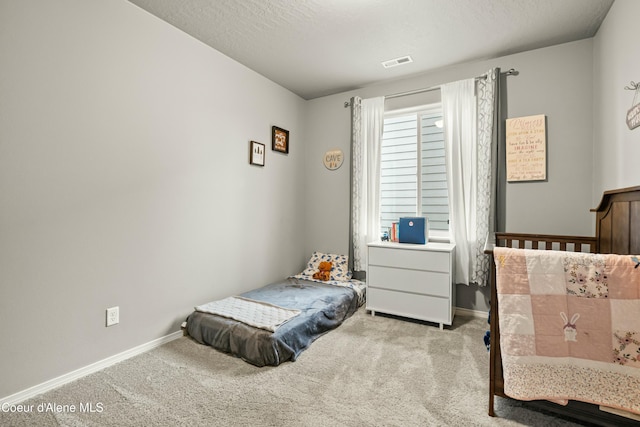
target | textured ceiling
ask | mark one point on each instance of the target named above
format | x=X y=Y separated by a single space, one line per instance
x=321 y=47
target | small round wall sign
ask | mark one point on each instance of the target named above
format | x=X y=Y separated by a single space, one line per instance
x=333 y=159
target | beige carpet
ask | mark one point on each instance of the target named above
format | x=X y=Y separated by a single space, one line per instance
x=371 y=371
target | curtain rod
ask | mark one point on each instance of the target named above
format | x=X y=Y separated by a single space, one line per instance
x=511 y=72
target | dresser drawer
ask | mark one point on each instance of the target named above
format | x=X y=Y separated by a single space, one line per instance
x=423 y=307
x=413 y=281
x=408 y=258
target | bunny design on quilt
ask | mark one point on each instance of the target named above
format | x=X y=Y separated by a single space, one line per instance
x=570 y=330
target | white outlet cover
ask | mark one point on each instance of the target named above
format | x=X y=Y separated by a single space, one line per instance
x=113 y=316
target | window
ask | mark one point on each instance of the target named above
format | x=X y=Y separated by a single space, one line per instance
x=413 y=179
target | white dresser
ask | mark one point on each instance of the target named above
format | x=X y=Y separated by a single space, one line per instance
x=413 y=281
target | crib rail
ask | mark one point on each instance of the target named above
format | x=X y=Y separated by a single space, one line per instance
x=546 y=242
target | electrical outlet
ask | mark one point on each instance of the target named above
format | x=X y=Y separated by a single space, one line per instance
x=113 y=316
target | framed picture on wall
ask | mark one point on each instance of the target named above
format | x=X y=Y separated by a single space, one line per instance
x=256 y=153
x=279 y=139
x=526 y=148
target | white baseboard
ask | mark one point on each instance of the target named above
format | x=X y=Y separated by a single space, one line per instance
x=471 y=313
x=89 y=369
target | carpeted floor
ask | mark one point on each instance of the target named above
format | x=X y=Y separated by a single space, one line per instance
x=371 y=371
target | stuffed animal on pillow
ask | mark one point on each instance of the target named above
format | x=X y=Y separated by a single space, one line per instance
x=324 y=271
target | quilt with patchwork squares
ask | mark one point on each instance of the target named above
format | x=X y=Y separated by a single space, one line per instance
x=570 y=326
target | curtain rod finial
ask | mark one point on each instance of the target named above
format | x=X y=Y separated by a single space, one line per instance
x=346 y=104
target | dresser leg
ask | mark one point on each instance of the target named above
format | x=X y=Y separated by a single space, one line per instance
x=373 y=313
x=441 y=326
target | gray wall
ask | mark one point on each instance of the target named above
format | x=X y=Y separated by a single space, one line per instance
x=124 y=176
x=124 y=180
x=555 y=81
x=616 y=64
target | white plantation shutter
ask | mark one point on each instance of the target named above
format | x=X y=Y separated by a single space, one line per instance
x=435 y=199
x=412 y=170
x=398 y=169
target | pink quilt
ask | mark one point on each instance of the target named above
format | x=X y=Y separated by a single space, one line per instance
x=570 y=326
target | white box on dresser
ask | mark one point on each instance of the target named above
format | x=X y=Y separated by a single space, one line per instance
x=414 y=281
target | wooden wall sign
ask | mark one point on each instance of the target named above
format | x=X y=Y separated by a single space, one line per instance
x=633 y=115
x=526 y=148
x=333 y=159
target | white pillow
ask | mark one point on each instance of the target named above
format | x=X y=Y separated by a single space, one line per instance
x=339 y=271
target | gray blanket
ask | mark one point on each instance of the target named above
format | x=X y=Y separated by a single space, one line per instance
x=323 y=307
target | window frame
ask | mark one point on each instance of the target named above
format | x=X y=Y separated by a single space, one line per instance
x=434 y=235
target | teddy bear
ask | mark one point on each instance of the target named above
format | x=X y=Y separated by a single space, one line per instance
x=324 y=271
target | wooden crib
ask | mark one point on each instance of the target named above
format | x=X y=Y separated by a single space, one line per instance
x=617 y=232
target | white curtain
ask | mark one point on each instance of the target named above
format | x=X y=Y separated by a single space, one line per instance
x=470 y=151
x=459 y=116
x=367 y=126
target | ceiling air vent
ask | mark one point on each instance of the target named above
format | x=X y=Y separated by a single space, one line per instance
x=398 y=61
